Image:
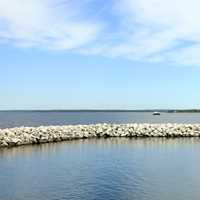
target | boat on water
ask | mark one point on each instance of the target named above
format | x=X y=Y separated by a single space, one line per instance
x=156 y=113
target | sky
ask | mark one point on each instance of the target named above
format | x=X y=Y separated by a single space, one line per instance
x=96 y=54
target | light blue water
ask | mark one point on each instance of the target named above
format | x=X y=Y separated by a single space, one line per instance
x=99 y=169
x=13 y=119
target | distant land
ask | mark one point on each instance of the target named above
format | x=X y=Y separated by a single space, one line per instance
x=110 y=110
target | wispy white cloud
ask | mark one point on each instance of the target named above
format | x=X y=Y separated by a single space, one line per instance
x=161 y=30
x=150 y=31
x=46 y=23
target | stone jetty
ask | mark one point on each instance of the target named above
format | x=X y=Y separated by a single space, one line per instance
x=44 y=134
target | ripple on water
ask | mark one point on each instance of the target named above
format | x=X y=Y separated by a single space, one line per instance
x=97 y=169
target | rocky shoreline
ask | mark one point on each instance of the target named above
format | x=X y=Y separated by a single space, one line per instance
x=44 y=134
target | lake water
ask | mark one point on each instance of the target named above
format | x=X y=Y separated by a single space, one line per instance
x=30 y=118
x=99 y=169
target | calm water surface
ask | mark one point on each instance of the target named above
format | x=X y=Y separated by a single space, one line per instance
x=99 y=169
x=32 y=118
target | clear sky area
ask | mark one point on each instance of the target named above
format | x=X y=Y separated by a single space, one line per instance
x=95 y=54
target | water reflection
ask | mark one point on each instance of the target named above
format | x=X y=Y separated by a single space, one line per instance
x=50 y=148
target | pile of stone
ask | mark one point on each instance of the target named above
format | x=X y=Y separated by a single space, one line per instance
x=45 y=134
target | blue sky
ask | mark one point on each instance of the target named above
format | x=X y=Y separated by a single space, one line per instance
x=94 y=54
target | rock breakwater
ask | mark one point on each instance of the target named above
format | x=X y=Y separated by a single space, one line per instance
x=45 y=134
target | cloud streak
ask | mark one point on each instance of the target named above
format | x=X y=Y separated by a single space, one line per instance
x=162 y=30
x=148 y=31
x=45 y=24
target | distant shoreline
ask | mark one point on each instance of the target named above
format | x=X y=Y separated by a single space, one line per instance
x=110 y=110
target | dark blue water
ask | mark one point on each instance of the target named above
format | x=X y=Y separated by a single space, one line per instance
x=99 y=169
x=13 y=119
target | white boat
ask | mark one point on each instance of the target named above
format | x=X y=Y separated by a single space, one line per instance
x=156 y=113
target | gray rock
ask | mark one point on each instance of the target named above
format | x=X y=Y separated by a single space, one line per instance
x=30 y=135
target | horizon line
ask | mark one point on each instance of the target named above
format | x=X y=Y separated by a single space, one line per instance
x=97 y=110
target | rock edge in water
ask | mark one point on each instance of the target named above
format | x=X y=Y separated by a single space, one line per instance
x=44 y=134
